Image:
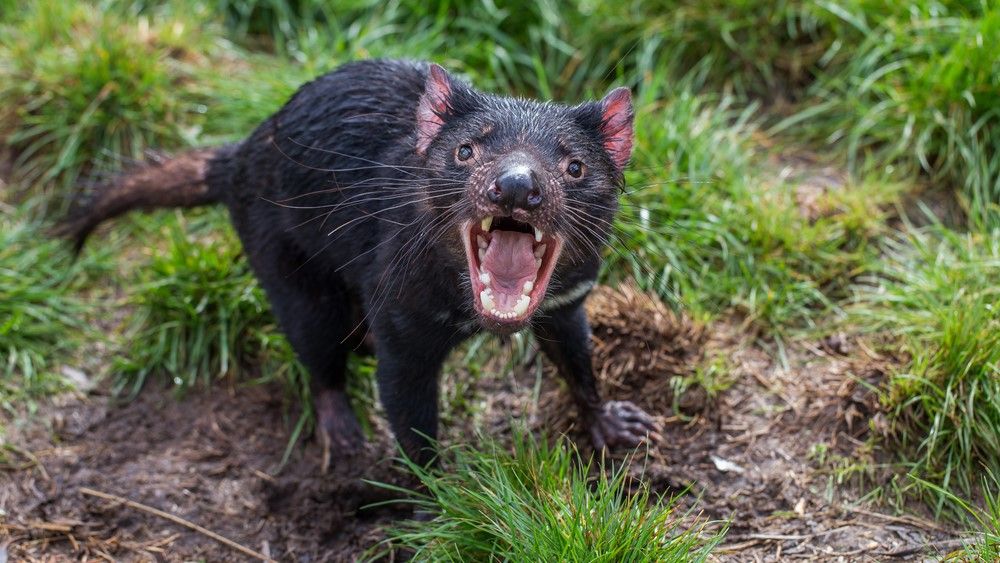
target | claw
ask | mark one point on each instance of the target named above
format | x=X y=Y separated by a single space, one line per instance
x=336 y=427
x=324 y=442
x=621 y=423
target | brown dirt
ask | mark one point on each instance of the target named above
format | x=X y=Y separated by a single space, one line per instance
x=214 y=458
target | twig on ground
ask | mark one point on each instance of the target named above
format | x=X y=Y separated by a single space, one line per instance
x=910 y=520
x=788 y=537
x=915 y=549
x=176 y=520
x=32 y=458
x=734 y=547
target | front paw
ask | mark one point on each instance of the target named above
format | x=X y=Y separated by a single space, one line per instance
x=622 y=424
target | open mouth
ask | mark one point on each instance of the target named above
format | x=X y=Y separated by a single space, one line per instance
x=510 y=264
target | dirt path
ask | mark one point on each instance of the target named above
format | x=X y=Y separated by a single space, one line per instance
x=214 y=458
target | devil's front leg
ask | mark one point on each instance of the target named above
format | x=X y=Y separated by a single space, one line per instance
x=564 y=336
x=409 y=363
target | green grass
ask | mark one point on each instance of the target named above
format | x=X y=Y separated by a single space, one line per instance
x=200 y=313
x=236 y=102
x=940 y=297
x=984 y=546
x=988 y=547
x=919 y=92
x=82 y=88
x=42 y=317
x=540 y=502
x=272 y=18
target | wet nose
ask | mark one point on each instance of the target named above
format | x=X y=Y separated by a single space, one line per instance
x=516 y=188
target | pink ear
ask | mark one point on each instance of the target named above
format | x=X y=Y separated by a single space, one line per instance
x=433 y=106
x=616 y=125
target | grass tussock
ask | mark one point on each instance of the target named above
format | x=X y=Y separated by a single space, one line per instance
x=42 y=316
x=201 y=314
x=539 y=502
x=81 y=89
x=941 y=298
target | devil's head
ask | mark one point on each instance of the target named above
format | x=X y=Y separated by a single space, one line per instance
x=540 y=186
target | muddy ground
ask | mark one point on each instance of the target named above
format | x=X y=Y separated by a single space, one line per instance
x=748 y=454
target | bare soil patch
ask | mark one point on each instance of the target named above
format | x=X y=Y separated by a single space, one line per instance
x=214 y=457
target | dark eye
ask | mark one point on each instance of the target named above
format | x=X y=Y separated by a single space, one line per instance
x=464 y=152
x=575 y=168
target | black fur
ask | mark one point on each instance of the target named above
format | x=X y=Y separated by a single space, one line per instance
x=354 y=233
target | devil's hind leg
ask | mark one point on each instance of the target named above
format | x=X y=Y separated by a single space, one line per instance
x=316 y=316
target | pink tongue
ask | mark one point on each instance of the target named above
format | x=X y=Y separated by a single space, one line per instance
x=510 y=261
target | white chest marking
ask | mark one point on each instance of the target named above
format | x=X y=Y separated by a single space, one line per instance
x=555 y=301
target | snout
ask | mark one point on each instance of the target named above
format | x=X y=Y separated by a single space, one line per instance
x=517 y=186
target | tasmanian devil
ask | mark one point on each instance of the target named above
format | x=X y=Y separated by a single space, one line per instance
x=389 y=203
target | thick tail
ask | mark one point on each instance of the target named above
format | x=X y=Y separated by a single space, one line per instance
x=178 y=181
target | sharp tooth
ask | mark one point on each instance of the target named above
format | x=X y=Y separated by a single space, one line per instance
x=481 y=242
x=528 y=286
x=538 y=263
x=540 y=251
x=482 y=255
x=484 y=277
x=486 y=298
x=522 y=305
x=487 y=221
x=538 y=235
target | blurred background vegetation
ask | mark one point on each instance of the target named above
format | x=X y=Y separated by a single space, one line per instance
x=802 y=166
